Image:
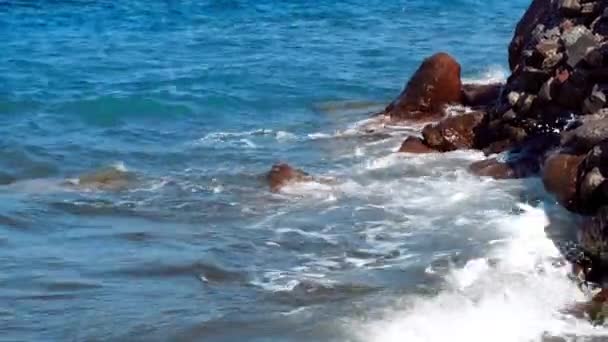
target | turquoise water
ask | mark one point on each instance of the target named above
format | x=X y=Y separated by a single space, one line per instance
x=195 y=100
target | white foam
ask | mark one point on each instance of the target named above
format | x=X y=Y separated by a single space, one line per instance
x=120 y=166
x=494 y=74
x=519 y=298
x=283 y=136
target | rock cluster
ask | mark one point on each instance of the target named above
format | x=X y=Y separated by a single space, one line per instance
x=551 y=116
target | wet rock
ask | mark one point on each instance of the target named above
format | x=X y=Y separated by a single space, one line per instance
x=594 y=102
x=593 y=238
x=435 y=84
x=282 y=174
x=560 y=175
x=415 y=145
x=493 y=168
x=592 y=131
x=593 y=188
x=481 y=95
x=454 y=132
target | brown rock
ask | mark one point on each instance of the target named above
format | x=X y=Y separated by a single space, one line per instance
x=560 y=177
x=454 y=132
x=480 y=95
x=415 y=145
x=492 y=168
x=283 y=174
x=435 y=84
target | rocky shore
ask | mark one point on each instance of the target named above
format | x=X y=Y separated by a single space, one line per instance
x=550 y=118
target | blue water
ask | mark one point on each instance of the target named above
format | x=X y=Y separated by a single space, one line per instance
x=196 y=100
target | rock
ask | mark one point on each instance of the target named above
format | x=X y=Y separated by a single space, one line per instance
x=111 y=178
x=480 y=95
x=513 y=98
x=415 y=145
x=570 y=95
x=513 y=168
x=592 y=131
x=593 y=237
x=547 y=47
x=560 y=176
x=546 y=91
x=578 y=44
x=552 y=61
x=570 y=8
x=538 y=13
x=454 y=132
x=435 y=84
x=593 y=188
x=594 y=102
x=283 y=174
x=493 y=168
x=528 y=80
x=590 y=8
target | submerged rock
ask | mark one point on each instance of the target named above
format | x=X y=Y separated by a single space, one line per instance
x=493 y=168
x=111 y=178
x=435 y=84
x=282 y=174
x=415 y=145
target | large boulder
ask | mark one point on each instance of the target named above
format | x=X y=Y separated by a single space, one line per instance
x=415 y=145
x=283 y=174
x=435 y=84
x=455 y=132
x=560 y=177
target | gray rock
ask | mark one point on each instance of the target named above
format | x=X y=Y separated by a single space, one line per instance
x=577 y=50
x=592 y=131
x=572 y=36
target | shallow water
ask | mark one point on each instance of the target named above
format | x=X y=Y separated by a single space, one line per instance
x=195 y=101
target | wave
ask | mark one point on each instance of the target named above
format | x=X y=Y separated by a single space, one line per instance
x=494 y=74
x=516 y=293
